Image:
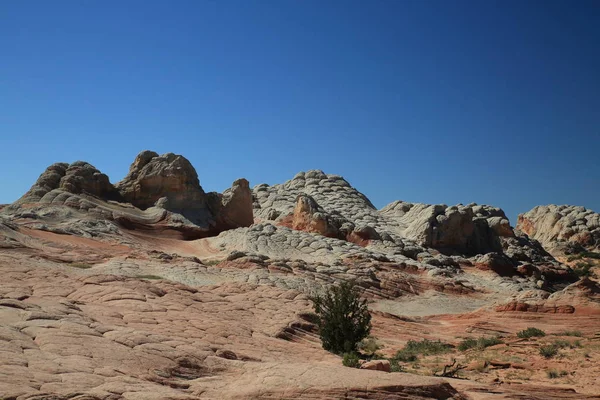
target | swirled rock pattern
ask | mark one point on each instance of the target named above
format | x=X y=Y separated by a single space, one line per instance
x=159 y=193
x=154 y=289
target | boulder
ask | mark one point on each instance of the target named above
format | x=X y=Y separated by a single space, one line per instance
x=377 y=365
x=497 y=262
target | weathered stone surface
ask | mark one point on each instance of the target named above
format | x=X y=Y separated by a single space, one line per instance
x=160 y=194
x=76 y=178
x=236 y=207
x=468 y=229
x=152 y=177
x=562 y=229
x=99 y=300
x=328 y=205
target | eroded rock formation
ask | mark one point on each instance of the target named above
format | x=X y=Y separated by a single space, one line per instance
x=562 y=229
x=101 y=299
x=159 y=193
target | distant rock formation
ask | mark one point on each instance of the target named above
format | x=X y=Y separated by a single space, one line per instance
x=164 y=191
x=162 y=194
x=327 y=204
x=562 y=229
x=77 y=178
x=170 y=177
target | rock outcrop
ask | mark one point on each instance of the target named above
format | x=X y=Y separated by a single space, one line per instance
x=76 y=178
x=562 y=229
x=160 y=193
x=101 y=298
x=328 y=205
x=234 y=208
x=472 y=229
x=169 y=178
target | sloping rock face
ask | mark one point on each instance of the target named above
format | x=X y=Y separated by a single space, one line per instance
x=170 y=177
x=234 y=208
x=327 y=204
x=332 y=192
x=100 y=300
x=471 y=229
x=562 y=229
x=159 y=193
x=77 y=178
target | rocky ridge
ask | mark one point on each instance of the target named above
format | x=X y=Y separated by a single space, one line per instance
x=159 y=192
x=209 y=290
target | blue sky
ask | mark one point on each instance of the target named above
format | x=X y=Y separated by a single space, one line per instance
x=425 y=101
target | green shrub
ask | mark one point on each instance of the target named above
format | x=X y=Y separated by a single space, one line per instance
x=369 y=346
x=351 y=360
x=583 y=269
x=480 y=343
x=552 y=374
x=467 y=344
x=531 y=332
x=585 y=254
x=394 y=365
x=344 y=319
x=549 y=351
x=563 y=344
x=426 y=347
x=405 y=356
x=570 y=333
x=591 y=254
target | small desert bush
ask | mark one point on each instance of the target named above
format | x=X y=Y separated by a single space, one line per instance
x=480 y=343
x=395 y=365
x=405 y=356
x=549 y=350
x=570 y=333
x=153 y=277
x=583 y=269
x=351 y=360
x=553 y=374
x=585 y=254
x=80 y=265
x=369 y=346
x=426 y=347
x=563 y=344
x=591 y=254
x=531 y=332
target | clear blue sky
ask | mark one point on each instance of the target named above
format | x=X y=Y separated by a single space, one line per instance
x=424 y=101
